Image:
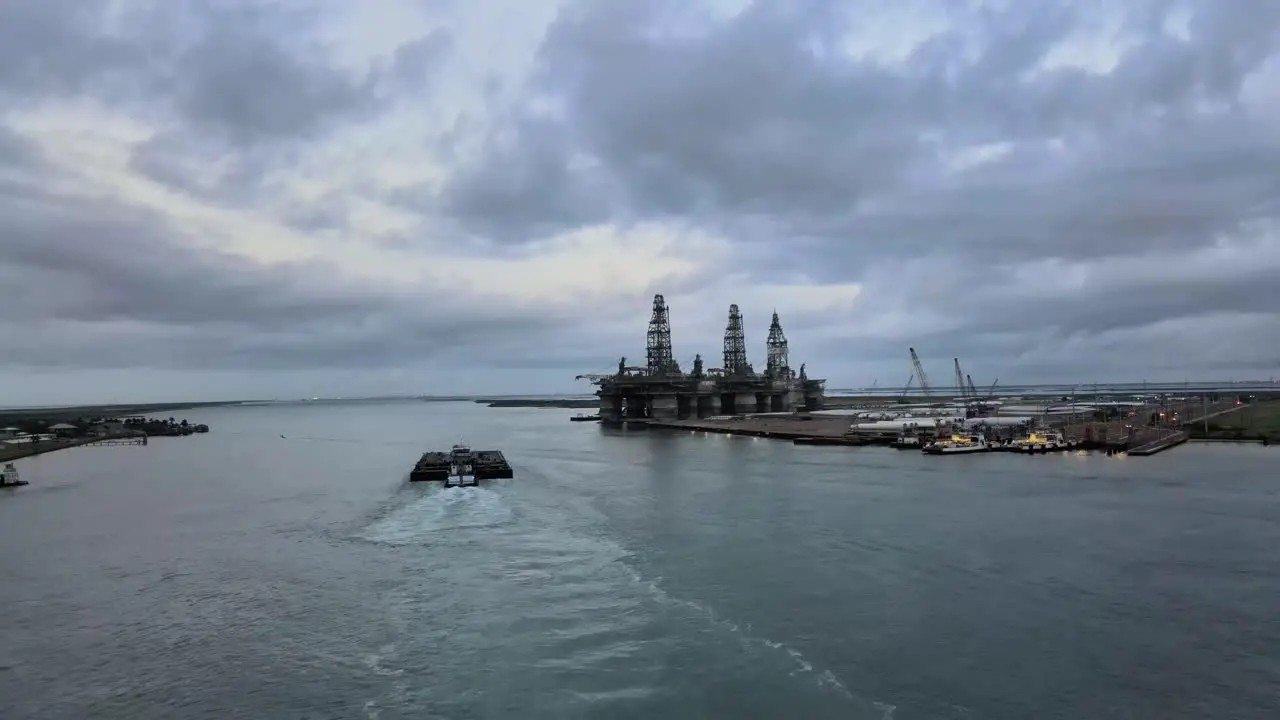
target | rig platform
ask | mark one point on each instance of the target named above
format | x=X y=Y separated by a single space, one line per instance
x=442 y=467
x=661 y=391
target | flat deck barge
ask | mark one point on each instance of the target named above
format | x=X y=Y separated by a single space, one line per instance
x=437 y=466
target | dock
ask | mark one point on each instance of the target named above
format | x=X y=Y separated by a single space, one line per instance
x=1160 y=444
x=778 y=427
x=487 y=465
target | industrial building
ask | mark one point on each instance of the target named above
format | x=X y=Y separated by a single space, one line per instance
x=660 y=390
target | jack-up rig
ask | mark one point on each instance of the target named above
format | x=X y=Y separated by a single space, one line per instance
x=660 y=390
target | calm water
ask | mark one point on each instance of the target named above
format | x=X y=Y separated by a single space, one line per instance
x=641 y=575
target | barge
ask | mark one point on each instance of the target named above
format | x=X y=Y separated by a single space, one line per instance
x=461 y=466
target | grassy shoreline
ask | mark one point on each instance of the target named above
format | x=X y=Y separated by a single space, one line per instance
x=58 y=414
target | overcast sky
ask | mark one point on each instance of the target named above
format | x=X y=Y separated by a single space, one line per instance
x=325 y=197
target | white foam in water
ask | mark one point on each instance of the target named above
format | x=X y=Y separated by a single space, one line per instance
x=803 y=666
x=446 y=509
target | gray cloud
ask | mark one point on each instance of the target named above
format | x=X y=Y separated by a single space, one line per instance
x=99 y=286
x=240 y=84
x=844 y=167
x=1039 y=221
x=752 y=121
x=58 y=47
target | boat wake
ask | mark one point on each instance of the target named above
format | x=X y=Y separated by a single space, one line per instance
x=801 y=666
x=439 y=510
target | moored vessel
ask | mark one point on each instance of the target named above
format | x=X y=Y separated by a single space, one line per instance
x=907 y=440
x=9 y=477
x=1040 y=441
x=958 y=444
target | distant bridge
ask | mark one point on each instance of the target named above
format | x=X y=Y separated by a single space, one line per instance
x=1131 y=388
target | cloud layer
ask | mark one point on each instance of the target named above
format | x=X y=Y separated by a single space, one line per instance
x=320 y=197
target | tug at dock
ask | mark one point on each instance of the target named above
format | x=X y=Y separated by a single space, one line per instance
x=461 y=467
x=9 y=477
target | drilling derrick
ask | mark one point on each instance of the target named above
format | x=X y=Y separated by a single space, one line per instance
x=777 y=364
x=658 y=348
x=658 y=392
x=735 y=346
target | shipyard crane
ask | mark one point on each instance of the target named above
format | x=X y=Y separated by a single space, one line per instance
x=919 y=373
x=973 y=391
x=960 y=386
x=906 y=388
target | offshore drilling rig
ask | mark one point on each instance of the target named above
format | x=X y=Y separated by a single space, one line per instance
x=660 y=390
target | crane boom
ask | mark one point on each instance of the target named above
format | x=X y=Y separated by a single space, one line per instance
x=960 y=387
x=919 y=373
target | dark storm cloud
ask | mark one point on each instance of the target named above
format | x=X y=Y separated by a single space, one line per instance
x=93 y=285
x=942 y=182
x=240 y=82
x=414 y=63
x=759 y=118
x=57 y=46
x=844 y=167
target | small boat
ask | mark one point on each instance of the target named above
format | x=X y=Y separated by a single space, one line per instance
x=908 y=440
x=958 y=444
x=580 y=417
x=1041 y=441
x=9 y=477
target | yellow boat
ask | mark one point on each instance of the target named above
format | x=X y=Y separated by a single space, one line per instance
x=1041 y=441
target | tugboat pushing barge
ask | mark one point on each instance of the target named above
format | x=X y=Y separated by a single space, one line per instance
x=461 y=466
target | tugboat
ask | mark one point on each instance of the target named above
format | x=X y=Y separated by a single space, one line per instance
x=462 y=467
x=958 y=444
x=9 y=477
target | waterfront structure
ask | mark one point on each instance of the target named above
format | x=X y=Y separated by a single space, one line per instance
x=660 y=390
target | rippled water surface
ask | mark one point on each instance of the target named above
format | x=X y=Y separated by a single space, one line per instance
x=629 y=575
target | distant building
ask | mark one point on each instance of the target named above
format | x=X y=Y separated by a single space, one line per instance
x=64 y=429
x=9 y=433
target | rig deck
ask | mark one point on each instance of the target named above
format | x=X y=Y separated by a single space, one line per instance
x=488 y=465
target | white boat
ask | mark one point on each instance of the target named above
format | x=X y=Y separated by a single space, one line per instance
x=908 y=440
x=9 y=476
x=462 y=468
x=958 y=444
x=1041 y=441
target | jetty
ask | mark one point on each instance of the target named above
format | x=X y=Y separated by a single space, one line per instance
x=465 y=468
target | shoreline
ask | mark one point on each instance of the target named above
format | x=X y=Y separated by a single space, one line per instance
x=26 y=450
x=8 y=415
x=834 y=430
